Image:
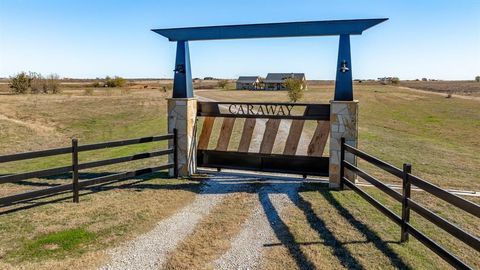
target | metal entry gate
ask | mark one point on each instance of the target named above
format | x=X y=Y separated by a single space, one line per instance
x=275 y=116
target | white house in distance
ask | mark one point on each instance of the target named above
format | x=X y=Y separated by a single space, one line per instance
x=273 y=81
x=248 y=83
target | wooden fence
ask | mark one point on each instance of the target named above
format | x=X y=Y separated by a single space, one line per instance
x=409 y=204
x=76 y=183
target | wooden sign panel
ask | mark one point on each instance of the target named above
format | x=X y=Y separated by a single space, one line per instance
x=314 y=163
x=299 y=111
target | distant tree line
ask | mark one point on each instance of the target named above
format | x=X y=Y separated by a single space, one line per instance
x=34 y=83
x=389 y=80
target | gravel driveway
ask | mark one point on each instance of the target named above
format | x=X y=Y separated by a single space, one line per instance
x=151 y=250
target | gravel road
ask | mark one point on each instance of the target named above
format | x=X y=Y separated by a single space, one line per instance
x=247 y=247
x=151 y=250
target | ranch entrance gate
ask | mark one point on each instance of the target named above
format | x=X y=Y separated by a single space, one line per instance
x=274 y=116
x=339 y=118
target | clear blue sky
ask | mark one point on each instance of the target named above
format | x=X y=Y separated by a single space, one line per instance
x=85 y=38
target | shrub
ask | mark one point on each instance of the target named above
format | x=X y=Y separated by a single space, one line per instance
x=223 y=84
x=119 y=81
x=295 y=89
x=477 y=78
x=115 y=81
x=395 y=80
x=424 y=79
x=37 y=84
x=34 y=83
x=51 y=84
x=109 y=82
x=19 y=83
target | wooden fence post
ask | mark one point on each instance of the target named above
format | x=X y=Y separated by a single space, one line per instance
x=342 y=158
x=406 y=187
x=175 y=153
x=75 y=170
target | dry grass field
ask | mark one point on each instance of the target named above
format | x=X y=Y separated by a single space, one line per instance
x=437 y=135
x=468 y=88
x=62 y=235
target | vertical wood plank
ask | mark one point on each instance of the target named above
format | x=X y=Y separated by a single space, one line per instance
x=271 y=130
x=225 y=134
x=76 y=197
x=319 y=139
x=247 y=134
x=293 y=137
x=207 y=128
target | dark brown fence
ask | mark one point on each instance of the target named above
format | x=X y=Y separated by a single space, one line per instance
x=408 y=204
x=78 y=184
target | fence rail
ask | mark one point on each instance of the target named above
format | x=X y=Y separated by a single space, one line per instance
x=408 y=204
x=77 y=184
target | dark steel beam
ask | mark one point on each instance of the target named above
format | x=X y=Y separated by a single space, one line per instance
x=343 y=81
x=270 y=30
x=182 y=78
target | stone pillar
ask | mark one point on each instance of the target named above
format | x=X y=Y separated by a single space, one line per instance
x=182 y=115
x=343 y=123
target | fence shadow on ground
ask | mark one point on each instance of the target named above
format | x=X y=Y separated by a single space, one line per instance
x=318 y=225
x=286 y=237
x=238 y=183
x=136 y=183
x=283 y=233
x=369 y=234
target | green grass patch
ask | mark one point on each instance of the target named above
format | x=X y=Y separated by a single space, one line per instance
x=55 y=244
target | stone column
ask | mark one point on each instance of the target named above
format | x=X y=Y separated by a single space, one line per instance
x=182 y=115
x=343 y=123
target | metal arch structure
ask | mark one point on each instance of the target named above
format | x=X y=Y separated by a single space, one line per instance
x=182 y=85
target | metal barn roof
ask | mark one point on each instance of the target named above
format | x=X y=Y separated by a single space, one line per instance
x=247 y=79
x=281 y=77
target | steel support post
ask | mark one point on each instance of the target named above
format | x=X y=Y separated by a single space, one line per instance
x=343 y=82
